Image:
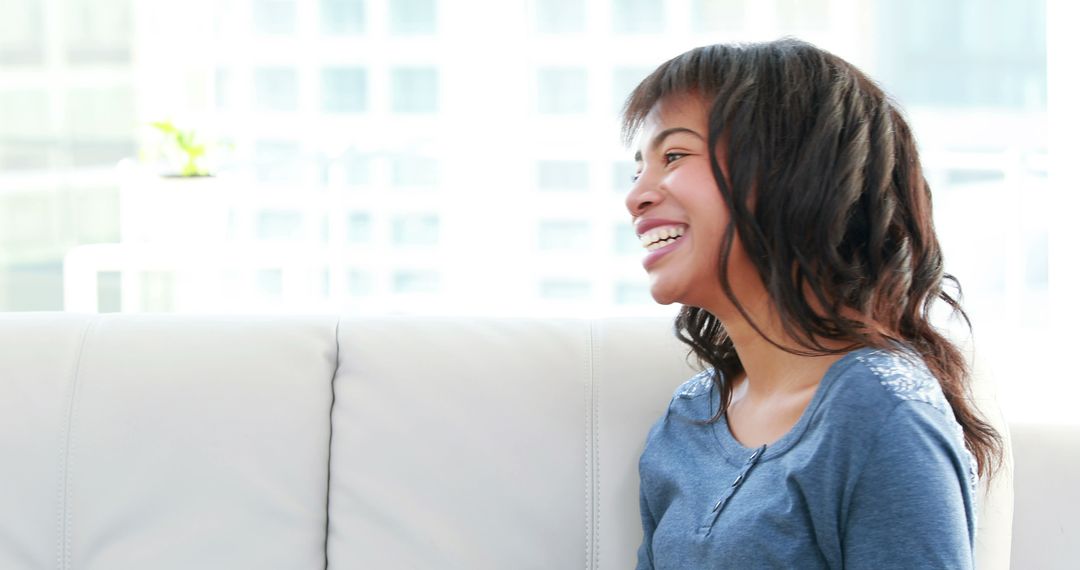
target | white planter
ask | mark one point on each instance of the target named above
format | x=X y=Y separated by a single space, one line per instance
x=173 y=210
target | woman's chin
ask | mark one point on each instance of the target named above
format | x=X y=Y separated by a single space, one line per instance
x=663 y=295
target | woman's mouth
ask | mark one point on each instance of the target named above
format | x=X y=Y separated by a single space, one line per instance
x=659 y=241
x=657 y=238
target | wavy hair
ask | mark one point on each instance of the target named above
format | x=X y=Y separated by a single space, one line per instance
x=828 y=198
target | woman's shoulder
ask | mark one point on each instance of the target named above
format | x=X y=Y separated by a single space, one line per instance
x=891 y=395
x=884 y=390
x=875 y=381
x=698 y=385
x=690 y=406
x=898 y=375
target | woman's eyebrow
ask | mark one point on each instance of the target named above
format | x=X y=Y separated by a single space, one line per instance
x=659 y=139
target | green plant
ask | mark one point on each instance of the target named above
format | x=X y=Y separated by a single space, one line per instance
x=185 y=142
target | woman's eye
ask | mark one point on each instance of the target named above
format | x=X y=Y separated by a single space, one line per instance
x=670 y=157
x=635 y=176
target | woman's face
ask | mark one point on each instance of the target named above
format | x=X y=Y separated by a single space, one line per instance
x=677 y=209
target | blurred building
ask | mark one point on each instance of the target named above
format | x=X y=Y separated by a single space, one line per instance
x=67 y=95
x=401 y=155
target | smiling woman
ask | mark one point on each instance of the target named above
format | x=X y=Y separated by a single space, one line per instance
x=781 y=199
x=675 y=192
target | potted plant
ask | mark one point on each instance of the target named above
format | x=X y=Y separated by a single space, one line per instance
x=182 y=203
x=187 y=145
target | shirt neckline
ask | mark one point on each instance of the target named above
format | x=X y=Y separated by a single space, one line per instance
x=736 y=452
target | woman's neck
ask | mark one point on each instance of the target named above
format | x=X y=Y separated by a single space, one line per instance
x=770 y=371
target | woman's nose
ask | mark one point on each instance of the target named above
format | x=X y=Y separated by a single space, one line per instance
x=642 y=196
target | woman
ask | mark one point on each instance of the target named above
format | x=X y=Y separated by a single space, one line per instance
x=781 y=201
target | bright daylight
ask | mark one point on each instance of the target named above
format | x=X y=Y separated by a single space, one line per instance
x=441 y=284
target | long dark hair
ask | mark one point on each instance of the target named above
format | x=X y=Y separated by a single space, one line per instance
x=829 y=201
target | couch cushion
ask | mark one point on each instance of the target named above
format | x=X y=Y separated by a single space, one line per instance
x=1047 y=467
x=186 y=442
x=483 y=443
x=459 y=444
x=39 y=355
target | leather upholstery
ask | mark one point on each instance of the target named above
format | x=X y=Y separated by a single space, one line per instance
x=155 y=441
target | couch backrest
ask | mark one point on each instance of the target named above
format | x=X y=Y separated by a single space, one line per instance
x=164 y=442
x=493 y=443
x=258 y=442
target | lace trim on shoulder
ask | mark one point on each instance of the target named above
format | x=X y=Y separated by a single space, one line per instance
x=700 y=383
x=906 y=376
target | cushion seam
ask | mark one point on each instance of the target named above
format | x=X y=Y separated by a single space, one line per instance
x=64 y=517
x=330 y=440
x=592 y=484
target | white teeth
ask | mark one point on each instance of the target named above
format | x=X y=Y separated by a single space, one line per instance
x=659 y=237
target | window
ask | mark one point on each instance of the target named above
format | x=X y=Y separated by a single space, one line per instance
x=1005 y=68
x=276 y=89
x=353 y=169
x=94 y=214
x=623 y=173
x=1036 y=259
x=275 y=16
x=626 y=240
x=109 y=286
x=23 y=113
x=562 y=175
x=563 y=236
x=972 y=176
x=279 y=225
x=19 y=215
x=625 y=79
x=414 y=90
x=96 y=119
x=324 y=230
x=98 y=31
x=225 y=88
x=278 y=162
x=632 y=293
x=416 y=281
x=22 y=37
x=360 y=283
x=416 y=230
x=98 y=152
x=718 y=15
x=344 y=90
x=34 y=286
x=565 y=290
x=95 y=113
x=353 y=133
x=803 y=15
x=562 y=90
x=412 y=16
x=638 y=16
x=410 y=171
x=22 y=154
x=157 y=291
x=342 y=16
x=359 y=227
x=560 y=16
x=270 y=282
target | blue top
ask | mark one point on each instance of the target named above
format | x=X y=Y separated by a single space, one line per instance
x=874 y=474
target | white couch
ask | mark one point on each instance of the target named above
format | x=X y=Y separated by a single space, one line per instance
x=294 y=443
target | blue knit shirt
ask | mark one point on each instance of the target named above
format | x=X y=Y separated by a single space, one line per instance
x=874 y=474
